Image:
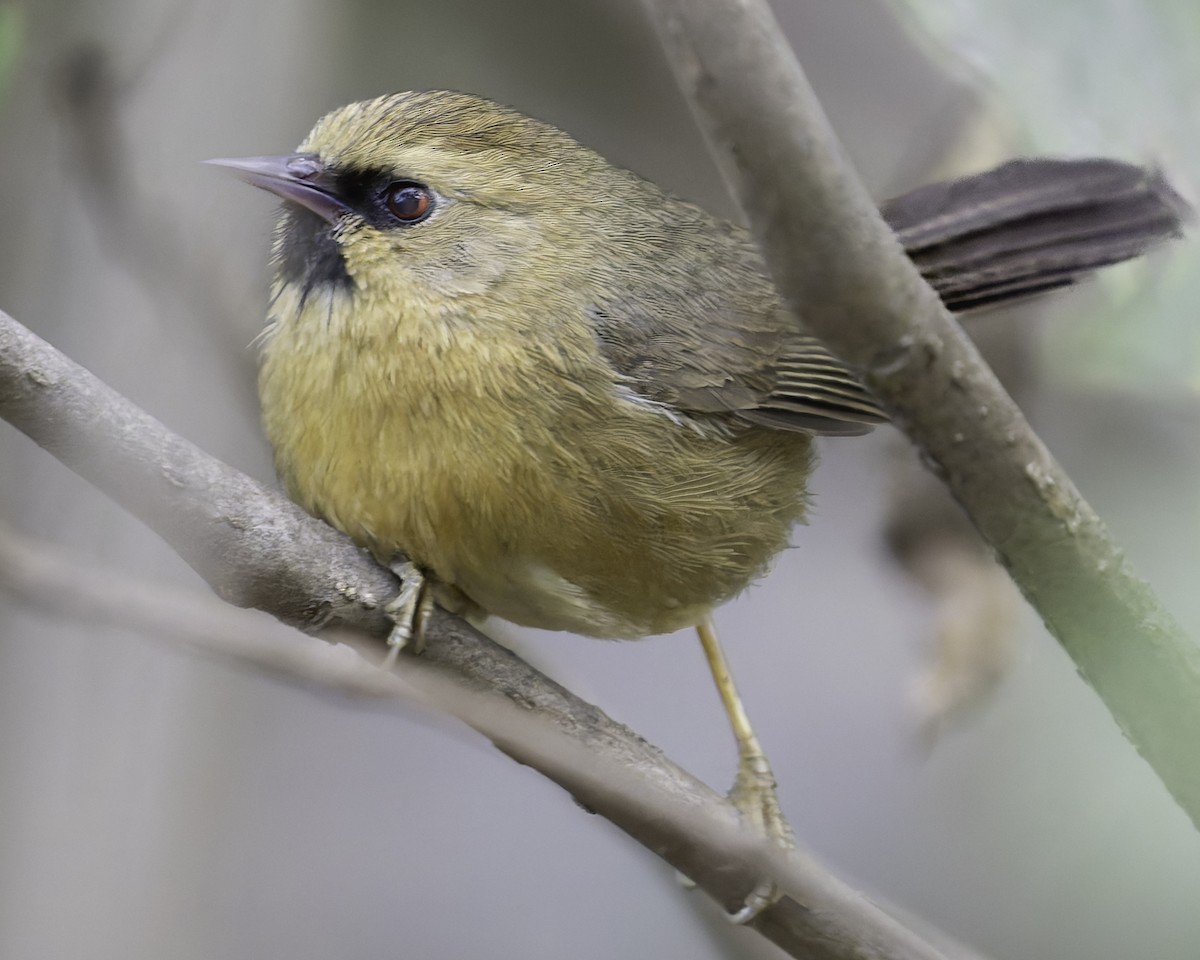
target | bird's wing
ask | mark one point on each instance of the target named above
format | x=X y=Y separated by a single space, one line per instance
x=705 y=333
x=815 y=391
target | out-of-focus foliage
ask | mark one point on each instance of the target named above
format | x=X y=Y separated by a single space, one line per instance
x=1109 y=77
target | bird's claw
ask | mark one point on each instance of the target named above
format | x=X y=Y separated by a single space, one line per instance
x=761 y=897
x=754 y=796
x=407 y=611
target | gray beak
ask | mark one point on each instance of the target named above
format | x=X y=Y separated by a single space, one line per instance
x=297 y=177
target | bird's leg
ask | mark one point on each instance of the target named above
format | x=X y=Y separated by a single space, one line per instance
x=753 y=790
x=408 y=611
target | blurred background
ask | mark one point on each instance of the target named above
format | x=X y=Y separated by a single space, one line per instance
x=932 y=743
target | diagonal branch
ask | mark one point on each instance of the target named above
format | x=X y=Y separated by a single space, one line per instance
x=843 y=272
x=257 y=549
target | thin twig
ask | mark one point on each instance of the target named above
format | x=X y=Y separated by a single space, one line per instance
x=49 y=578
x=843 y=272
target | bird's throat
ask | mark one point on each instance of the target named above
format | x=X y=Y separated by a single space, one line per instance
x=308 y=255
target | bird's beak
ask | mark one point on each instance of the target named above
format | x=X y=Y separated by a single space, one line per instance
x=298 y=177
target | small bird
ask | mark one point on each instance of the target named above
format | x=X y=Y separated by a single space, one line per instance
x=553 y=393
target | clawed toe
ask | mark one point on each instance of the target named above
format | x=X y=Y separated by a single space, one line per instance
x=408 y=611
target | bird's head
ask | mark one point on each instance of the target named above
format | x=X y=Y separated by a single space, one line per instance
x=446 y=193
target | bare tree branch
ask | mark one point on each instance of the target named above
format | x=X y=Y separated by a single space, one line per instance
x=50 y=579
x=842 y=270
x=257 y=549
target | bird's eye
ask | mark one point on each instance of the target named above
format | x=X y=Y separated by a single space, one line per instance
x=409 y=201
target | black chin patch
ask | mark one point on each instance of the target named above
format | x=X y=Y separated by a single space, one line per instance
x=308 y=255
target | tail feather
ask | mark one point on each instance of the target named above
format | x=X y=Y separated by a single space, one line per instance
x=1033 y=225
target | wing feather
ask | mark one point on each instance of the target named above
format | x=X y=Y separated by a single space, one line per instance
x=706 y=333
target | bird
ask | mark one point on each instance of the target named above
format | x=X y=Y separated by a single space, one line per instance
x=542 y=388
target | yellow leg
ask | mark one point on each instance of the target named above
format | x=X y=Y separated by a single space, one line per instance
x=753 y=790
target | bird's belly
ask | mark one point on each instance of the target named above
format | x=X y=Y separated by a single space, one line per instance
x=530 y=593
x=504 y=540
x=599 y=517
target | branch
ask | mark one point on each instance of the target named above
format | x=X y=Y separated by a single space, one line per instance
x=49 y=578
x=257 y=549
x=841 y=269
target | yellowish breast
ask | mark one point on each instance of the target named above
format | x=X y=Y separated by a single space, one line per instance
x=517 y=470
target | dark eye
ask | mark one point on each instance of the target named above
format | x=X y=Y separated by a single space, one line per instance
x=408 y=201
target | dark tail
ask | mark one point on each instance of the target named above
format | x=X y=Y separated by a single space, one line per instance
x=1032 y=225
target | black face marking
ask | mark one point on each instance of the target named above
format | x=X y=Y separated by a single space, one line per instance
x=308 y=254
x=366 y=193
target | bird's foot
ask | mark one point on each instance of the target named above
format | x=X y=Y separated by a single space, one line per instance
x=408 y=612
x=754 y=796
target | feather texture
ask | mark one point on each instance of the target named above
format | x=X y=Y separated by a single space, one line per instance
x=572 y=398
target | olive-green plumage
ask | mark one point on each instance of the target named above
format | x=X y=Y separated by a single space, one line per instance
x=570 y=397
x=456 y=403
